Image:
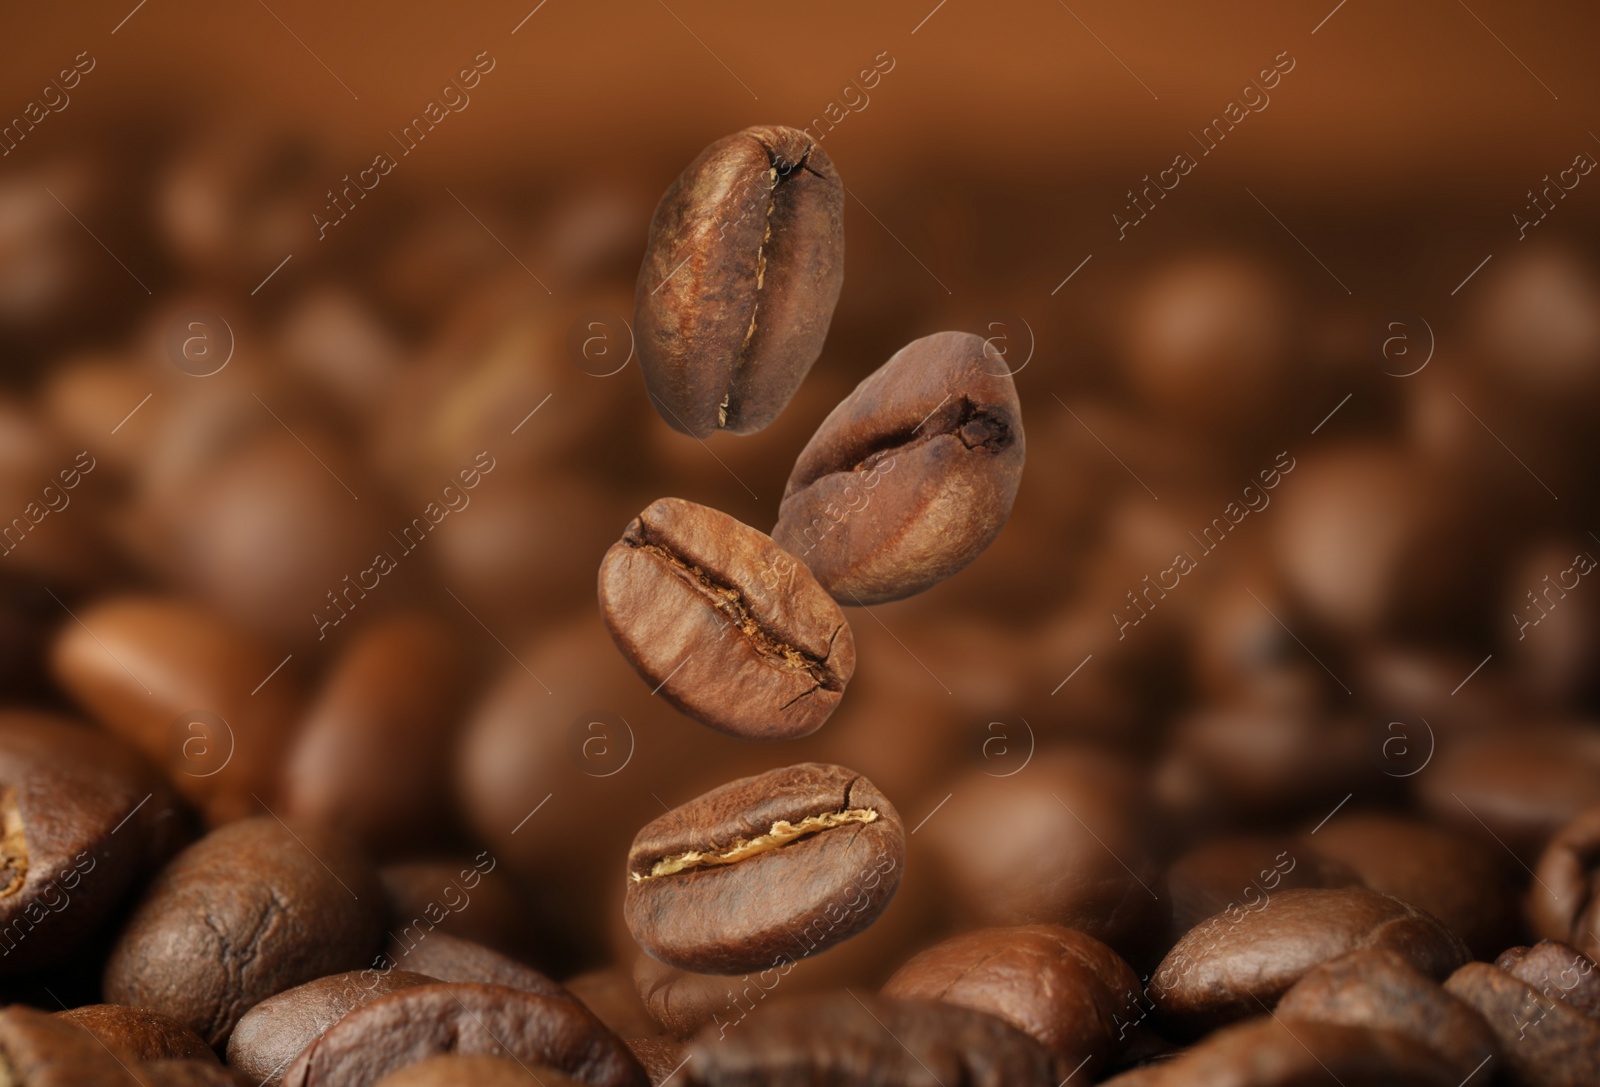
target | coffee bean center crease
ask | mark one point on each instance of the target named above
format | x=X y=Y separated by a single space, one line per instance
x=781 y=834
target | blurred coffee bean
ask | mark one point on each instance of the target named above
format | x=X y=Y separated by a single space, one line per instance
x=611 y=994
x=474 y=1070
x=1521 y=784
x=938 y=427
x=1068 y=990
x=274 y=1032
x=52 y=504
x=1267 y=1052
x=1221 y=872
x=845 y=1039
x=1543 y=1042
x=660 y=1057
x=289 y=538
x=1241 y=961
x=681 y=1003
x=232 y=203
x=1066 y=841
x=190 y=1073
x=444 y=889
x=372 y=757
x=1207 y=340
x=84 y=396
x=1563 y=902
x=762 y=868
x=1463 y=881
x=1415 y=685
x=189 y=690
x=1555 y=615
x=337 y=342
x=1378 y=988
x=420 y=950
x=410 y=1025
x=248 y=911
x=41 y=1050
x=1556 y=969
x=139 y=1034
x=83 y=819
x=1539 y=325
x=682 y=579
x=758 y=217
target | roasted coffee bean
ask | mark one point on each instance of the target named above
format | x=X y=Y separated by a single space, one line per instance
x=38 y=1049
x=185 y=687
x=764 y=870
x=1523 y=784
x=1068 y=990
x=1543 y=1042
x=191 y=1073
x=611 y=994
x=729 y=627
x=1378 y=988
x=1269 y=1053
x=854 y=1041
x=1213 y=876
x=681 y=1003
x=445 y=889
x=911 y=476
x=250 y=910
x=739 y=280
x=450 y=958
x=659 y=1056
x=139 y=1034
x=82 y=817
x=1564 y=901
x=475 y=1070
x=277 y=1030
x=1461 y=880
x=414 y=1024
x=1556 y=969
x=372 y=758
x=1242 y=960
x=1065 y=841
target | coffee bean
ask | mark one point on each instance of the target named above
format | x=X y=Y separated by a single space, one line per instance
x=450 y=958
x=681 y=1003
x=725 y=624
x=1213 y=876
x=1242 y=960
x=413 y=1024
x=911 y=476
x=1564 y=901
x=139 y=1034
x=610 y=993
x=250 y=910
x=739 y=280
x=659 y=1056
x=1461 y=880
x=372 y=758
x=872 y=1041
x=38 y=1049
x=1556 y=969
x=1544 y=1042
x=444 y=889
x=82 y=818
x=144 y=666
x=474 y=1070
x=277 y=1030
x=764 y=870
x=1066 y=841
x=1378 y=988
x=1269 y=1053
x=1069 y=991
x=176 y=1073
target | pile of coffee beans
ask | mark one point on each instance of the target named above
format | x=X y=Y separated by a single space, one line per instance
x=400 y=690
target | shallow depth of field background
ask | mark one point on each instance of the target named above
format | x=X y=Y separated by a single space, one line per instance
x=1382 y=274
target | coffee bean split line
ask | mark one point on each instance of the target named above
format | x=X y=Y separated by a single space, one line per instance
x=781 y=834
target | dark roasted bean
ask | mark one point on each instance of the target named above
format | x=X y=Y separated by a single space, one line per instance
x=1544 y=1042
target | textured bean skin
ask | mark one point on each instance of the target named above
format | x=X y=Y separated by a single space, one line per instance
x=476 y=1070
x=1545 y=1042
x=450 y=958
x=1066 y=989
x=742 y=270
x=1564 y=903
x=140 y=1034
x=729 y=627
x=246 y=912
x=1556 y=969
x=845 y=1040
x=1244 y=959
x=413 y=1024
x=911 y=476
x=777 y=906
x=1378 y=988
x=274 y=1032
x=41 y=1050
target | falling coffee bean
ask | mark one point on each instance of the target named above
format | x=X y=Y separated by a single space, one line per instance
x=725 y=624
x=764 y=870
x=911 y=476
x=739 y=280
